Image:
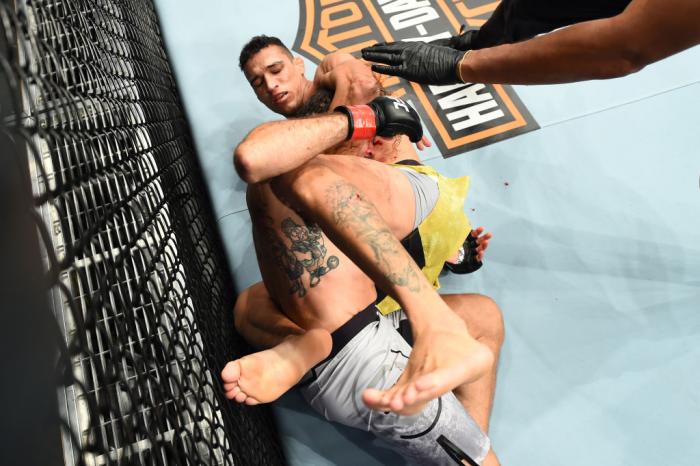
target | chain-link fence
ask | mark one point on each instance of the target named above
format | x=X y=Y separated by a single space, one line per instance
x=138 y=283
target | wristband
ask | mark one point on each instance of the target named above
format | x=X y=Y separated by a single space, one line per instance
x=459 y=65
x=362 y=122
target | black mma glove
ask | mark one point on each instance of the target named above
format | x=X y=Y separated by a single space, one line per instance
x=416 y=61
x=467 y=261
x=383 y=116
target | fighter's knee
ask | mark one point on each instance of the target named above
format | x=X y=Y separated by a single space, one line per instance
x=485 y=319
x=298 y=185
x=494 y=328
x=254 y=196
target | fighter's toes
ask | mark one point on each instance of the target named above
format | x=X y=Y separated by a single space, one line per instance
x=429 y=381
x=231 y=372
x=373 y=399
x=409 y=395
x=396 y=404
x=240 y=397
x=250 y=401
x=231 y=394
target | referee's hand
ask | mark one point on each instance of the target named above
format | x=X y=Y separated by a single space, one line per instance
x=416 y=61
x=462 y=41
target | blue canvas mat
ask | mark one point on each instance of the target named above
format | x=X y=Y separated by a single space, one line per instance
x=595 y=260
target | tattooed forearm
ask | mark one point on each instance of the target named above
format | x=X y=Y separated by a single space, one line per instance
x=352 y=210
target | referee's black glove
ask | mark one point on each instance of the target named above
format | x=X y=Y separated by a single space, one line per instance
x=416 y=61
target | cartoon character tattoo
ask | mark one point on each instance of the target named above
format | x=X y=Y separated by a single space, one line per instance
x=309 y=250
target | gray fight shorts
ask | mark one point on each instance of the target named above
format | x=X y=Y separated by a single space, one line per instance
x=369 y=351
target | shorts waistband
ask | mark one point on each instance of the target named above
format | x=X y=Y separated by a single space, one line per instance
x=342 y=336
x=346 y=332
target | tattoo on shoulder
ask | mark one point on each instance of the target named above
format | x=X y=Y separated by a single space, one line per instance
x=301 y=250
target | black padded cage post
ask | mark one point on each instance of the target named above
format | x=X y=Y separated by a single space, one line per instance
x=29 y=429
x=133 y=269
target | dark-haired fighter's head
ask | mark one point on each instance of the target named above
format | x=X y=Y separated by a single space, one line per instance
x=277 y=77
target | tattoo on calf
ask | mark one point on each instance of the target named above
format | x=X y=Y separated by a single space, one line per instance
x=350 y=208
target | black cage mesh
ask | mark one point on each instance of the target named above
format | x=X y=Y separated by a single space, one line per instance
x=139 y=286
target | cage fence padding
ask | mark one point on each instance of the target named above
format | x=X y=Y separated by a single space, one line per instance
x=139 y=287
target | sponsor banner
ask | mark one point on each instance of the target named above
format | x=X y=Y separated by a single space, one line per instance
x=459 y=117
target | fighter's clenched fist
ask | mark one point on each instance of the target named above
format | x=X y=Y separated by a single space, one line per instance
x=383 y=116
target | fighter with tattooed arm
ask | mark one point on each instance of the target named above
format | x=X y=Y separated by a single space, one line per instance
x=267 y=329
x=357 y=208
x=279 y=82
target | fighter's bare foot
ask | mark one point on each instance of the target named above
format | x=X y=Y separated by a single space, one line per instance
x=264 y=376
x=444 y=356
